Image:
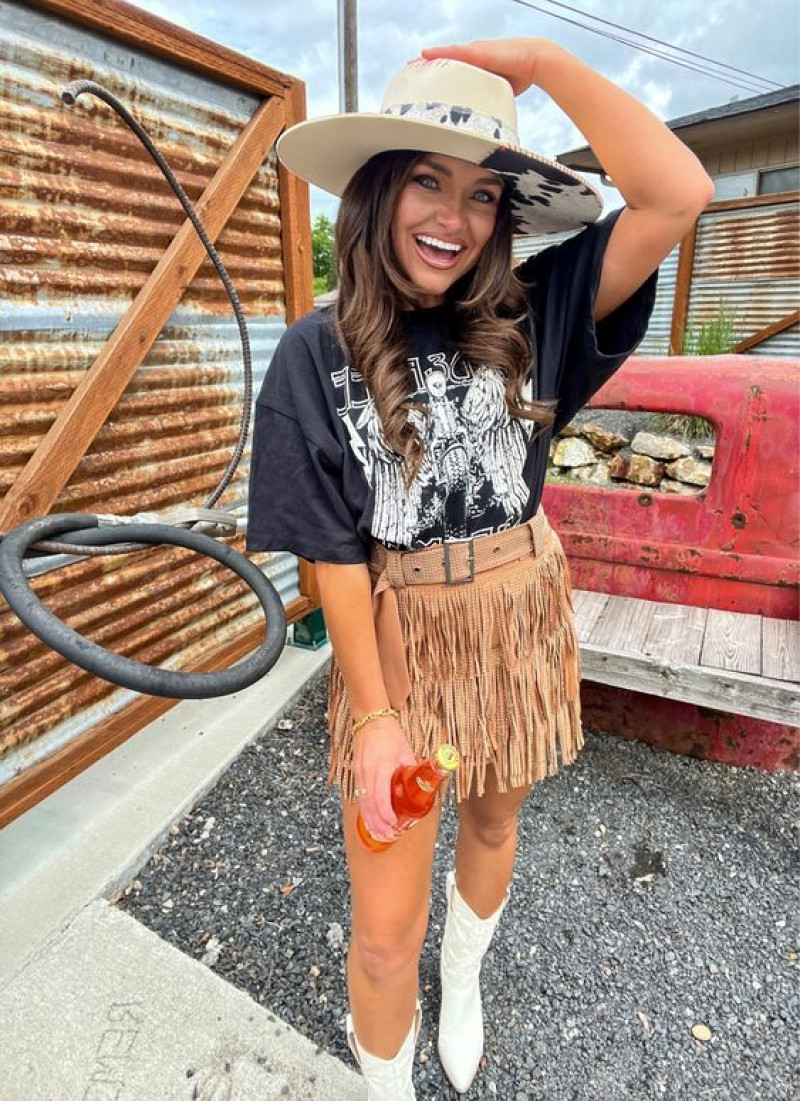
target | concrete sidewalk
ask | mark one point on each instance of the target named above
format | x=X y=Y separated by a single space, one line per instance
x=93 y=1005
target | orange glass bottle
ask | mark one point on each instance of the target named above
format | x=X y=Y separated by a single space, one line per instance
x=414 y=790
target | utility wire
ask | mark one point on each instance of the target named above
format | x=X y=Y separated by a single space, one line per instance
x=647 y=50
x=644 y=49
x=660 y=42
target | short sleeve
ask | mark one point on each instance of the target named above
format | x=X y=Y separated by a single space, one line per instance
x=295 y=495
x=579 y=354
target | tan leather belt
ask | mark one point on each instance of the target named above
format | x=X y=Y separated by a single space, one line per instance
x=448 y=563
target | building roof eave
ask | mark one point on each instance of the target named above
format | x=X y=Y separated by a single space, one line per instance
x=757 y=116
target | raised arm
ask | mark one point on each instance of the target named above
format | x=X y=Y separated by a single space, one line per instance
x=380 y=746
x=664 y=185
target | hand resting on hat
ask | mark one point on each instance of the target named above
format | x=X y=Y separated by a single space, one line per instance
x=513 y=58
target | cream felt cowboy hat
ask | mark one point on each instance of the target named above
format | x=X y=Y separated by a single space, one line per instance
x=459 y=110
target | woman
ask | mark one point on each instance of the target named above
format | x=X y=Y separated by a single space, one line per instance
x=401 y=443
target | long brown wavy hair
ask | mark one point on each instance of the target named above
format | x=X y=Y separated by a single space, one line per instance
x=490 y=315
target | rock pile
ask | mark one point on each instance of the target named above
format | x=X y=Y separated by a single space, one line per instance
x=590 y=453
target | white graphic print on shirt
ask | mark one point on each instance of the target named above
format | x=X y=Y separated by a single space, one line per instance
x=470 y=481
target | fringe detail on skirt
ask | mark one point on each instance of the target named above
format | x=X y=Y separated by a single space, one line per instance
x=495 y=670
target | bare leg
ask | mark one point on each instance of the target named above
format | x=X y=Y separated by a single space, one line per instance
x=487 y=845
x=390 y=907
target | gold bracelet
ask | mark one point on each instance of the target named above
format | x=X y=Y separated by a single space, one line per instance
x=358 y=723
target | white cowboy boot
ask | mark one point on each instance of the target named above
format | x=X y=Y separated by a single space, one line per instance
x=387 y=1079
x=466 y=938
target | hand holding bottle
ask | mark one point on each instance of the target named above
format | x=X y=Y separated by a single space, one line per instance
x=413 y=793
x=379 y=749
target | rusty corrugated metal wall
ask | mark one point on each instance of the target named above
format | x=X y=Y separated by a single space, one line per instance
x=85 y=216
x=656 y=339
x=749 y=260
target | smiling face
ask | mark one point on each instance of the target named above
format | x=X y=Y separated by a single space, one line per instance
x=445 y=214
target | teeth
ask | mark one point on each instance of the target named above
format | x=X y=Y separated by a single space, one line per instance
x=439 y=244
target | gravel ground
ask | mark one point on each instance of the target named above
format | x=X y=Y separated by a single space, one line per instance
x=653 y=895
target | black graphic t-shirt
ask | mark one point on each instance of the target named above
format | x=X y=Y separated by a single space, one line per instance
x=324 y=482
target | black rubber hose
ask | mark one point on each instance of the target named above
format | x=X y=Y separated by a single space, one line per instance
x=69 y=96
x=105 y=663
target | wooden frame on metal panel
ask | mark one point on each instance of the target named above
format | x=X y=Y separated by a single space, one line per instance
x=84 y=414
x=51 y=466
x=683 y=280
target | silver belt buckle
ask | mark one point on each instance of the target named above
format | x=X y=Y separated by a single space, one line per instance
x=449 y=579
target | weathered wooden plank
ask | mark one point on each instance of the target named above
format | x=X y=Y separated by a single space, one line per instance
x=588 y=606
x=683 y=285
x=128 y=23
x=753 y=201
x=623 y=624
x=781 y=649
x=732 y=640
x=675 y=633
x=778 y=326
x=298 y=275
x=723 y=690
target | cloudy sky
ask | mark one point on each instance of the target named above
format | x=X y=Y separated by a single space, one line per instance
x=299 y=37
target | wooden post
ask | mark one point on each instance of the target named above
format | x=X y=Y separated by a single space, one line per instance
x=298 y=273
x=683 y=287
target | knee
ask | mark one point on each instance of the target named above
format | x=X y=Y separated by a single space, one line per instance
x=384 y=955
x=491 y=833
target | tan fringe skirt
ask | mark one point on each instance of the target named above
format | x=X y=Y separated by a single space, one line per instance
x=490 y=664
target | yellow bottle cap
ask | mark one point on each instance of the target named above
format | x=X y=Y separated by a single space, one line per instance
x=447 y=757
